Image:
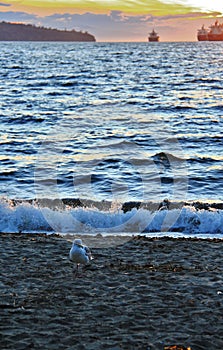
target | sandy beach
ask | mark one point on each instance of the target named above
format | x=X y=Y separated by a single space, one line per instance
x=139 y=293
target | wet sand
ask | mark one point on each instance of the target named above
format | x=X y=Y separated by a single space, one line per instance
x=136 y=294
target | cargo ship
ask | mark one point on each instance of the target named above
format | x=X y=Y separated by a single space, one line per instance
x=202 y=34
x=153 y=36
x=214 y=33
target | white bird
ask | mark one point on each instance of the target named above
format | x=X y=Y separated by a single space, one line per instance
x=79 y=253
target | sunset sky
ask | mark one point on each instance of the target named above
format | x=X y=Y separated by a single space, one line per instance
x=118 y=20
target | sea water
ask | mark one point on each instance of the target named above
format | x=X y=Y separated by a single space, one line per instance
x=88 y=127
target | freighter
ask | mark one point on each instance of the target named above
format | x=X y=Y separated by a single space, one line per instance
x=153 y=36
x=214 y=33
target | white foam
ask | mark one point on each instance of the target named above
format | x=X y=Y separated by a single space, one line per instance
x=26 y=217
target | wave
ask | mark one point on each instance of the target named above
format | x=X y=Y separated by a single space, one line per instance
x=24 y=119
x=75 y=216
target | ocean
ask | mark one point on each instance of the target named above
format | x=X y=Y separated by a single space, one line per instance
x=112 y=138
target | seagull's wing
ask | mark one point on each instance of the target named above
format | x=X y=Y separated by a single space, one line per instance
x=88 y=252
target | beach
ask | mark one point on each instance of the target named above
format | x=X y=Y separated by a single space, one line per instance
x=137 y=293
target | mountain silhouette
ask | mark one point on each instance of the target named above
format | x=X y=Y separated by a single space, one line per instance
x=29 y=32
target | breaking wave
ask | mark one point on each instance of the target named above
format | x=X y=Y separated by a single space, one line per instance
x=72 y=216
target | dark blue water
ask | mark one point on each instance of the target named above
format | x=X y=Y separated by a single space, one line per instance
x=112 y=122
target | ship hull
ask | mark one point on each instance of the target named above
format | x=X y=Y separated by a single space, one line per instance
x=152 y=40
x=202 y=38
x=215 y=37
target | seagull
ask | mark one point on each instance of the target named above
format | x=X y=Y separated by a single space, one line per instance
x=164 y=205
x=79 y=253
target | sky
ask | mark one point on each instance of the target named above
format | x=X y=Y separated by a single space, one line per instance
x=118 y=20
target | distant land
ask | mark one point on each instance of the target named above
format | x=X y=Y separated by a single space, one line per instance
x=29 y=32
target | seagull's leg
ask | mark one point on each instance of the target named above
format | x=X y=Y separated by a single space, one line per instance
x=75 y=271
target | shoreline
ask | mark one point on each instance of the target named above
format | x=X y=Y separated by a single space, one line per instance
x=140 y=293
